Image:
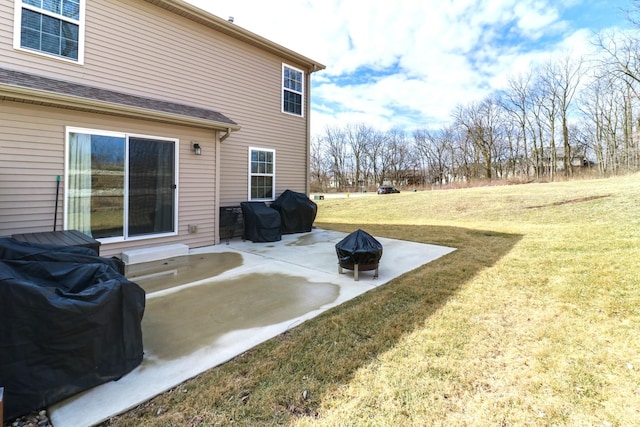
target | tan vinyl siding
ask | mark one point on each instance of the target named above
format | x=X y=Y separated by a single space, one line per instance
x=205 y=68
x=6 y=28
x=33 y=155
x=138 y=48
x=29 y=165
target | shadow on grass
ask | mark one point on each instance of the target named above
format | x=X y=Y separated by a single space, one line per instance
x=288 y=375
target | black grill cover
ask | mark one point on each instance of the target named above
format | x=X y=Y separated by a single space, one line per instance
x=68 y=321
x=359 y=247
x=297 y=212
x=261 y=223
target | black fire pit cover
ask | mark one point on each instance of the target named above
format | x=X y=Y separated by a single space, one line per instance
x=359 y=247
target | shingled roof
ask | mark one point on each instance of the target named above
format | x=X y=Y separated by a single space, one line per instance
x=27 y=87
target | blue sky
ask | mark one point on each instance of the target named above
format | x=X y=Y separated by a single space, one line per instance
x=409 y=63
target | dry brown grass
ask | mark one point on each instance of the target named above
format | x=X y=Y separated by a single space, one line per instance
x=534 y=320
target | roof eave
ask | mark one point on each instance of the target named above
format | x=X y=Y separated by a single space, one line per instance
x=25 y=94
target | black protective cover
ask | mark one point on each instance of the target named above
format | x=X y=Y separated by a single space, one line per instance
x=261 y=223
x=359 y=247
x=18 y=250
x=297 y=212
x=68 y=321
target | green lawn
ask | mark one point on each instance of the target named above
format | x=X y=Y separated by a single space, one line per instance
x=534 y=320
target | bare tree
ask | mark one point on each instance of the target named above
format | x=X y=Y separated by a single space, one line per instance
x=539 y=129
x=481 y=122
x=399 y=155
x=509 y=152
x=548 y=100
x=334 y=141
x=357 y=137
x=621 y=59
x=517 y=101
x=607 y=105
x=320 y=166
x=435 y=151
x=622 y=55
x=565 y=74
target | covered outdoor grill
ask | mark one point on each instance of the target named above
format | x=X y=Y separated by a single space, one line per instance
x=359 y=251
x=297 y=212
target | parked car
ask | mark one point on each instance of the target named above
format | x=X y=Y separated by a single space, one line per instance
x=387 y=189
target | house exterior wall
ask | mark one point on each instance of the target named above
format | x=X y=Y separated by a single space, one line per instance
x=33 y=155
x=138 y=48
x=128 y=48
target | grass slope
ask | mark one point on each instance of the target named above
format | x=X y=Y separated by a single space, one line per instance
x=534 y=320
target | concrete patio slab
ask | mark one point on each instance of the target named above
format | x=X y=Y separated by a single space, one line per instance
x=261 y=291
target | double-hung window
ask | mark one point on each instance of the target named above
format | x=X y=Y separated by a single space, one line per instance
x=262 y=174
x=120 y=186
x=52 y=27
x=292 y=90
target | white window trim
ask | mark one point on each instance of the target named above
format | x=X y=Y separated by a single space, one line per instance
x=17 y=29
x=282 y=89
x=273 y=175
x=125 y=237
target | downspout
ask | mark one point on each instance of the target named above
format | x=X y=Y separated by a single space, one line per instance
x=314 y=67
x=307 y=170
x=225 y=136
x=218 y=141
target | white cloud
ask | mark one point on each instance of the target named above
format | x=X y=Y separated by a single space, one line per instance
x=408 y=62
x=534 y=21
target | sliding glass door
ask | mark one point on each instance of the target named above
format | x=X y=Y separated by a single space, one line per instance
x=151 y=186
x=120 y=186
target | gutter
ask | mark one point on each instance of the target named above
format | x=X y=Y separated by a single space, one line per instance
x=37 y=96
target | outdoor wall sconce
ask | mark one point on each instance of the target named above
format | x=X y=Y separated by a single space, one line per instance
x=196 y=149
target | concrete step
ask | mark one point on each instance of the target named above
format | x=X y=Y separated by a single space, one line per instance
x=136 y=256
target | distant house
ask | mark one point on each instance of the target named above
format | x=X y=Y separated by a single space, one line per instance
x=556 y=158
x=152 y=114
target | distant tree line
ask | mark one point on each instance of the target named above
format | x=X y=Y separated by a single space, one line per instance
x=572 y=115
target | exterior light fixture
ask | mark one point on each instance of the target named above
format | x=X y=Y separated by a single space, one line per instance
x=196 y=149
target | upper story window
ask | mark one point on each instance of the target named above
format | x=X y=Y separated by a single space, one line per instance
x=292 y=90
x=52 y=27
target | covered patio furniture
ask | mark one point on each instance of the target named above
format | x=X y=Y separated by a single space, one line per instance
x=69 y=321
x=261 y=223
